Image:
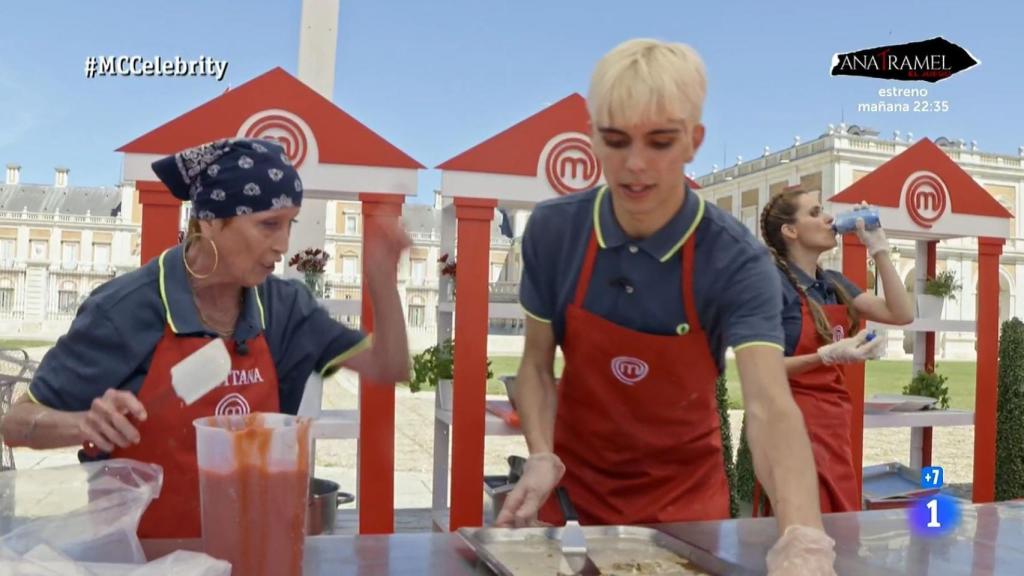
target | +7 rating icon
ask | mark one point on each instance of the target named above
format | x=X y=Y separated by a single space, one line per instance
x=931 y=477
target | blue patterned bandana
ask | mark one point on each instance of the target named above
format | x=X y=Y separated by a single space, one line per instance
x=229 y=178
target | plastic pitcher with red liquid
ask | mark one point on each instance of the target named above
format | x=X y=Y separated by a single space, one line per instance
x=254 y=489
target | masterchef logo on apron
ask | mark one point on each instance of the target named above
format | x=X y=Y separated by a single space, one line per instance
x=838 y=333
x=629 y=370
x=232 y=405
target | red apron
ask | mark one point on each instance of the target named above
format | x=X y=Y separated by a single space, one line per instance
x=168 y=437
x=824 y=401
x=637 y=423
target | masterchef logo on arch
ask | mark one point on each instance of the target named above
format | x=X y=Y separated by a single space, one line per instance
x=925 y=197
x=569 y=164
x=284 y=128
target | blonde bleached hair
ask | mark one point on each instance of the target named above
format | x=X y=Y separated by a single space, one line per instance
x=645 y=80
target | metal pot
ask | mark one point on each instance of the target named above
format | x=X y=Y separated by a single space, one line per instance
x=324 y=501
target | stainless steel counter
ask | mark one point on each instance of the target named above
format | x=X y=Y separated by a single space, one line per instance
x=989 y=540
x=426 y=554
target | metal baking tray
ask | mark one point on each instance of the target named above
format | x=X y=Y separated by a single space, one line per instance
x=481 y=539
x=893 y=480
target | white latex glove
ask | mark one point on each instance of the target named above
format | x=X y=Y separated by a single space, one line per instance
x=852 y=350
x=541 y=474
x=802 y=551
x=874 y=240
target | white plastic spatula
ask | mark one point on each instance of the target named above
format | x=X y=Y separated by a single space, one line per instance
x=201 y=371
x=191 y=379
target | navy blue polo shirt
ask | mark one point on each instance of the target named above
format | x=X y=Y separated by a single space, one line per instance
x=112 y=339
x=820 y=289
x=638 y=284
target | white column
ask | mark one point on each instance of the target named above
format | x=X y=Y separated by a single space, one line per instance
x=121 y=251
x=829 y=181
x=332 y=216
x=969 y=293
x=1018 y=281
x=127 y=202
x=85 y=252
x=920 y=274
x=519 y=221
x=36 y=286
x=318 y=39
x=445 y=318
x=55 y=250
x=22 y=251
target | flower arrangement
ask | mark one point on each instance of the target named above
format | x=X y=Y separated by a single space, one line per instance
x=448 y=269
x=311 y=262
x=447 y=265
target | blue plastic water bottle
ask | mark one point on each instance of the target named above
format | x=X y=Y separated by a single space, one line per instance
x=846 y=222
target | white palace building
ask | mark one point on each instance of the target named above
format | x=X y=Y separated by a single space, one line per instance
x=58 y=242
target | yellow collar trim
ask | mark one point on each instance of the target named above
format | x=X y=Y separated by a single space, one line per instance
x=597 y=215
x=259 y=304
x=163 y=293
x=689 y=231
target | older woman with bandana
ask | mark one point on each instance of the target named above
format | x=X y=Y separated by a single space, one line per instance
x=97 y=386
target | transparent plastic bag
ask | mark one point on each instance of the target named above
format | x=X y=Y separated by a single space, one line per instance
x=45 y=561
x=87 y=513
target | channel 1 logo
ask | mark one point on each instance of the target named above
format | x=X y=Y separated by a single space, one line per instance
x=937 y=514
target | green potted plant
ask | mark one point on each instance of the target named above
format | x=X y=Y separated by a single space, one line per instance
x=936 y=290
x=932 y=385
x=434 y=367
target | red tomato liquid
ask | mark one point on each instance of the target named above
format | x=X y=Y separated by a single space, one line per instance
x=253 y=517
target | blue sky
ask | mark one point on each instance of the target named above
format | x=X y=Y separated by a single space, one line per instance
x=436 y=77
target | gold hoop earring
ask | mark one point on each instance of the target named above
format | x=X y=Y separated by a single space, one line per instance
x=184 y=257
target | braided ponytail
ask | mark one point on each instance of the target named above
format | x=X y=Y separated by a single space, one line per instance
x=844 y=298
x=780 y=210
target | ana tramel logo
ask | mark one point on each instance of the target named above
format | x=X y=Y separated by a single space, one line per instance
x=929 y=61
x=629 y=370
x=570 y=165
x=925 y=197
x=282 y=130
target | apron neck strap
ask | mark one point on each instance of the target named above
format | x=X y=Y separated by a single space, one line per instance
x=686 y=271
x=587 y=271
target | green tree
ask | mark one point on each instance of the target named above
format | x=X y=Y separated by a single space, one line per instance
x=745 y=477
x=1009 y=425
x=722 y=395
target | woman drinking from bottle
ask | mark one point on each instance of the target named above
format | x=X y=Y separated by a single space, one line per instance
x=821 y=316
